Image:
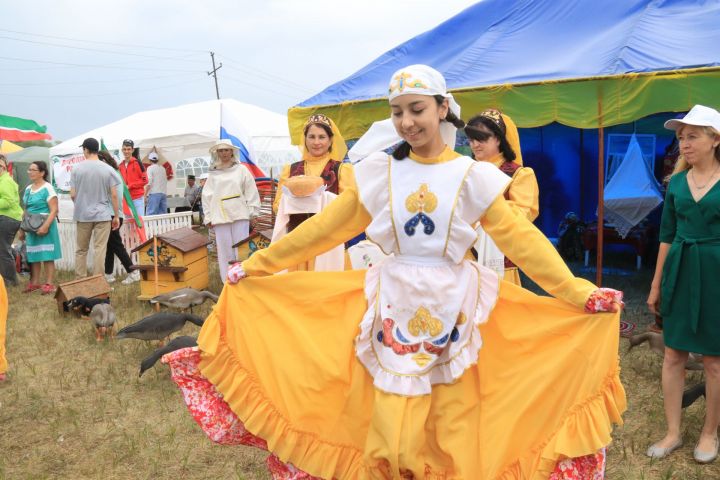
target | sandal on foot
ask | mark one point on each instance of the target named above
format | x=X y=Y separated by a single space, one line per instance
x=31 y=287
x=47 y=289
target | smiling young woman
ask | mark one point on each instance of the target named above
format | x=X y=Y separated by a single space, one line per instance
x=425 y=365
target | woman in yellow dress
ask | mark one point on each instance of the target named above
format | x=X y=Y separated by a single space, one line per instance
x=494 y=138
x=323 y=151
x=425 y=365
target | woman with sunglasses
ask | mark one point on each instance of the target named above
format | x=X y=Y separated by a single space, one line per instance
x=494 y=138
x=10 y=217
x=43 y=246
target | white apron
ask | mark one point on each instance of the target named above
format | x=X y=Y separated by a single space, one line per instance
x=426 y=301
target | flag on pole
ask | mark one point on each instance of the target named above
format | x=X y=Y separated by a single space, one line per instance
x=137 y=219
x=232 y=129
x=18 y=129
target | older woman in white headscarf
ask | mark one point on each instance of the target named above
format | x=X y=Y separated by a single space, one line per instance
x=229 y=199
x=425 y=365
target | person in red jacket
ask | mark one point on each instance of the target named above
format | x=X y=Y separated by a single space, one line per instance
x=133 y=173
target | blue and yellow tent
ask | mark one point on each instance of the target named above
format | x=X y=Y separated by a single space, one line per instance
x=585 y=64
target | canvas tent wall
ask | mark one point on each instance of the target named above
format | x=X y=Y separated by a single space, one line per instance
x=185 y=133
x=582 y=64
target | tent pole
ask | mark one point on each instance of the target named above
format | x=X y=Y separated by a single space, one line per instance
x=601 y=193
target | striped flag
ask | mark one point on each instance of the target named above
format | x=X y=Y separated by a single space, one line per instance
x=232 y=129
x=18 y=129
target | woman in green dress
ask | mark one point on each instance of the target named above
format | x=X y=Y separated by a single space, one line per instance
x=685 y=288
x=43 y=246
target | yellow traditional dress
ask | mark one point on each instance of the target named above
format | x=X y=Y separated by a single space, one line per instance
x=425 y=366
x=336 y=180
x=522 y=195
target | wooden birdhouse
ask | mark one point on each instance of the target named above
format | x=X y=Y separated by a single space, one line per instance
x=256 y=241
x=182 y=261
x=88 y=287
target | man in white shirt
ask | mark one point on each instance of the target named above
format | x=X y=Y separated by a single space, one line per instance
x=156 y=188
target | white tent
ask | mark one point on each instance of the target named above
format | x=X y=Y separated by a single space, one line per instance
x=184 y=134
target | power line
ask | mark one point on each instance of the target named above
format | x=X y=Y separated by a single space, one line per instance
x=75 y=82
x=103 y=43
x=285 y=94
x=256 y=71
x=118 y=64
x=103 y=94
x=93 y=66
x=89 y=49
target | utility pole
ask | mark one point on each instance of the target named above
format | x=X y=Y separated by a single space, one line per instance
x=214 y=73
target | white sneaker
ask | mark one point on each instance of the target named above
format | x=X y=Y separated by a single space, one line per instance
x=132 y=277
x=109 y=278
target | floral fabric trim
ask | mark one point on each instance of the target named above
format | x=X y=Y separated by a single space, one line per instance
x=602 y=300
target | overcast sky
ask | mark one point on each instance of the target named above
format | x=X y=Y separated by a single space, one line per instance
x=77 y=65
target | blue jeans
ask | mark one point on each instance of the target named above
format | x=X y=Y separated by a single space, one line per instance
x=157 y=204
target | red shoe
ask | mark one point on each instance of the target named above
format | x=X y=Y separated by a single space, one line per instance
x=31 y=287
x=3 y=377
x=47 y=289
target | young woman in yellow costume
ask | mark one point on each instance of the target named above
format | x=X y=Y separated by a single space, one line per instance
x=323 y=151
x=494 y=138
x=425 y=366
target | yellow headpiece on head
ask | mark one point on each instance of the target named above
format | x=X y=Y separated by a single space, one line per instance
x=338 y=149
x=513 y=138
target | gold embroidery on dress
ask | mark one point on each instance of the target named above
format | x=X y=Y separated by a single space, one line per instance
x=462 y=318
x=421 y=359
x=421 y=201
x=423 y=322
x=403 y=80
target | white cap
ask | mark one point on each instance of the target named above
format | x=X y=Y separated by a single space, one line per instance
x=700 y=116
x=153 y=156
x=204 y=176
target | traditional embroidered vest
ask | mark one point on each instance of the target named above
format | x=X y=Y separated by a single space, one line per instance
x=330 y=175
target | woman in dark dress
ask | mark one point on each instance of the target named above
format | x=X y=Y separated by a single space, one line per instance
x=685 y=287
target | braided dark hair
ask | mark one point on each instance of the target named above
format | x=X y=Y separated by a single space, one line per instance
x=403 y=150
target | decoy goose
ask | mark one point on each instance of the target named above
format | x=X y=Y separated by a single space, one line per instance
x=158 y=326
x=693 y=393
x=183 y=298
x=657 y=345
x=175 y=344
x=103 y=317
x=83 y=305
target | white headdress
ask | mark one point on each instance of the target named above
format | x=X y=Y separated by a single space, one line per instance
x=415 y=79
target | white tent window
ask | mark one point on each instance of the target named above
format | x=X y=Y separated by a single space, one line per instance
x=191 y=166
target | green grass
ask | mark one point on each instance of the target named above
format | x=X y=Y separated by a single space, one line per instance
x=76 y=409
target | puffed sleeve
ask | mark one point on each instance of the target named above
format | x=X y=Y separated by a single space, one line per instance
x=344 y=218
x=523 y=194
x=347 y=177
x=284 y=175
x=530 y=250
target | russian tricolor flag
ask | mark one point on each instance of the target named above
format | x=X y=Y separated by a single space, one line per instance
x=232 y=129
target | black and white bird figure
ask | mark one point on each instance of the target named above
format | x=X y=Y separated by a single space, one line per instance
x=158 y=326
x=184 y=298
x=175 y=344
x=656 y=343
x=83 y=305
x=103 y=318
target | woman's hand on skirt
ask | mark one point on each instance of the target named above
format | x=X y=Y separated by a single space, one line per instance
x=235 y=273
x=653 y=301
x=605 y=300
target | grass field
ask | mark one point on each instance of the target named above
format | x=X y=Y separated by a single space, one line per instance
x=76 y=409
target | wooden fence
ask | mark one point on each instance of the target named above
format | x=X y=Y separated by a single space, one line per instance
x=154 y=224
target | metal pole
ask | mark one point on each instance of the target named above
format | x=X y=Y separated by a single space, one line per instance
x=601 y=193
x=214 y=74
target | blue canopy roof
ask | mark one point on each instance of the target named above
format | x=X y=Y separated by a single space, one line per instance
x=523 y=41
